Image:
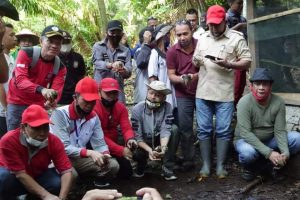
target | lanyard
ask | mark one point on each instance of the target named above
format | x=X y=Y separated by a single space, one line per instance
x=76 y=132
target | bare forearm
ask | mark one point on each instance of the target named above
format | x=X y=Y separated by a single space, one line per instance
x=145 y=146
x=66 y=184
x=164 y=141
x=242 y=64
x=3 y=69
x=175 y=79
x=3 y=96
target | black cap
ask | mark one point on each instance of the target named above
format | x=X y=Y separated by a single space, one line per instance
x=114 y=25
x=51 y=31
x=261 y=74
x=151 y=18
x=66 y=35
x=8 y=10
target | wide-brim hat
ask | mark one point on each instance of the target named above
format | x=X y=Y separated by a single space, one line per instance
x=27 y=32
x=160 y=87
x=261 y=74
x=162 y=30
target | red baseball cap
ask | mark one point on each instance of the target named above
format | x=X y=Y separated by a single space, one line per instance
x=109 y=84
x=215 y=14
x=88 y=89
x=35 y=116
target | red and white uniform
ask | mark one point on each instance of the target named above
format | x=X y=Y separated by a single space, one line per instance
x=110 y=122
x=23 y=85
x=14 y=155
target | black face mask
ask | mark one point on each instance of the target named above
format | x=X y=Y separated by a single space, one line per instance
x=114 y=40
x=108 y=103
x=81 y=111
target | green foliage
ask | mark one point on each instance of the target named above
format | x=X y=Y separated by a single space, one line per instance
x=83 y=19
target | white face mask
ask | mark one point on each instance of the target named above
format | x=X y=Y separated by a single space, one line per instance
x=66 y=48
x=34 y=142
x=152 y=105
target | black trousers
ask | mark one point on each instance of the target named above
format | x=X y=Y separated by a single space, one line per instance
x=3 y=126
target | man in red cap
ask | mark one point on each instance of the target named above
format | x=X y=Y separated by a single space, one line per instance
x=25 y=154
x=36 y=81
x=113 y=114
x=80 y=130
x=219 y=51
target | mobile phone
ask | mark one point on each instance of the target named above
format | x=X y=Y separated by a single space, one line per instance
x=212 y=57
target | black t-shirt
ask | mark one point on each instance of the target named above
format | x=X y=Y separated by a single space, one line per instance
x=75 y=71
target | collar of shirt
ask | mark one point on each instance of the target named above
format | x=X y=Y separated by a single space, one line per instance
x=225 y=34
x=73 y=114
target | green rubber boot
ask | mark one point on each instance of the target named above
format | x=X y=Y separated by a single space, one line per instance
x=205 y=150
x=222 y=148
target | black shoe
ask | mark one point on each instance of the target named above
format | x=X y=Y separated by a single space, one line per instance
x=168 y=174
x=248 y=175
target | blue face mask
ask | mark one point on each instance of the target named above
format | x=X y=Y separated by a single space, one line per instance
x=34 y=142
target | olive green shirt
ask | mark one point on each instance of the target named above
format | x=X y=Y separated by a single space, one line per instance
x=257 y=124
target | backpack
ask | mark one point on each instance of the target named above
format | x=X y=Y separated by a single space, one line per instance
x=36 y=52
x=36 y=55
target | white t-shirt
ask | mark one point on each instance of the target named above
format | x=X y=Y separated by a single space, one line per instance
x=11 y=65
x=158 y=67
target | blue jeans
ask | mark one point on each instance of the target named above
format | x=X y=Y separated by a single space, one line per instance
x=204 y=112
x=14 y=116
x=247 y=154
x=185 y=117
x=11 y=187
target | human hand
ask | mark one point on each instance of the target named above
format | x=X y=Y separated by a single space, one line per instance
x=132 y=144
x=275 y=157
x=109 y=65
x=149 y=194
x=97 y=194
x=282 y=161
x=50 y=104
x=50 y=196
x=117 y=66
x=154 y=155
x=186 y=78
x=99 y=158
x=49 y=94
x=127 y=153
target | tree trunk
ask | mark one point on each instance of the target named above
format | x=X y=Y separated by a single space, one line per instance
x=103 y=18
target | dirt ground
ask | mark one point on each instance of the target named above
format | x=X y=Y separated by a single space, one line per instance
x=188 y=187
